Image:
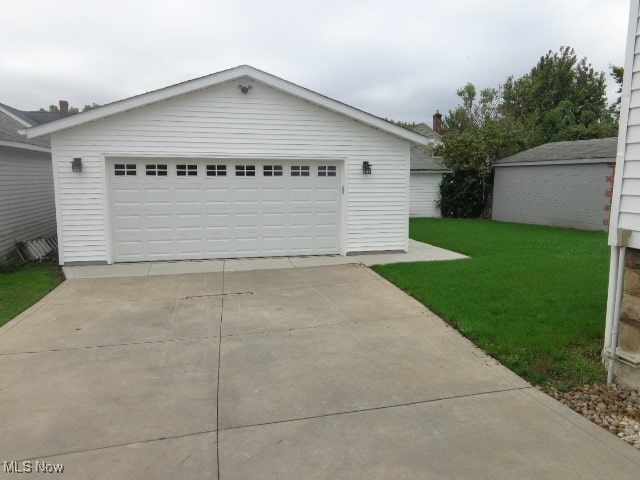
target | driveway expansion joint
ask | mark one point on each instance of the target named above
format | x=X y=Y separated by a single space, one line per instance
x=85 y=347
x=218 y=295
x=115 y=445
x=382 y=407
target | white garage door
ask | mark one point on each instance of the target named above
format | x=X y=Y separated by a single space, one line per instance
x=185 y=209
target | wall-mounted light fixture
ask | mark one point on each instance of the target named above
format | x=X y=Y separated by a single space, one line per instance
x=244 y=89
x=76 y=165
x=366 y=168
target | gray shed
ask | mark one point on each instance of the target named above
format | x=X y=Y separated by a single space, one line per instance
x=562 y=184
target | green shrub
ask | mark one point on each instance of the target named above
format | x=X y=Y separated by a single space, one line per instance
x=462 y=195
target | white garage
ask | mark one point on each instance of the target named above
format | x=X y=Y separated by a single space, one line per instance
x=239 y=163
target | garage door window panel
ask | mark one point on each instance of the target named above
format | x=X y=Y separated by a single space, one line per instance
x=300 y=170
x=272 y=170
x=216 y=170
x=183 y=170
x=245 y=170
x=156 y=170
x=124 y=169
x=327 y=171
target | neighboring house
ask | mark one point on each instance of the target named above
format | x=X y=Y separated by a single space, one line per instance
x=27 y=204
x=562 y=184
x=426 y=175
x=622 y=331
x=427 y=131
x=239 y=163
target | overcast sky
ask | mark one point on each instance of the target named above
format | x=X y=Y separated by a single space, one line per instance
x=397 y=59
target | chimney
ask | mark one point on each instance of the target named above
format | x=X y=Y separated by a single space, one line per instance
x=64 y=108
x=437 y=122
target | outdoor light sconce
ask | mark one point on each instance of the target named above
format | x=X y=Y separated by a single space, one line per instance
x=366 y=168
x=76 y=165
x=244 y=89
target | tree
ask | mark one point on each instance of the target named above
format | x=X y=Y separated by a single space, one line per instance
x=52 y=108
x=471 y=114
x=617 y=73
x=86 y=108
x=478 y=136
x=72 y=110
x=561 y=98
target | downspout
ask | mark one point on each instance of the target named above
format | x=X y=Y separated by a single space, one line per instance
x=621 y=251
x=611 y=299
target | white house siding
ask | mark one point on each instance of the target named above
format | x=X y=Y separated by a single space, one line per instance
x=220 y=122
x=571 y=196
x=424 y=194
x=626 y=196
x=27 y=203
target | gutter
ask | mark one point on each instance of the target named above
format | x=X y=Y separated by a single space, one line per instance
x=24 y=146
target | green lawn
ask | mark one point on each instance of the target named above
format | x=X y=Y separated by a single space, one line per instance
x=533 y=297
x=19 y=290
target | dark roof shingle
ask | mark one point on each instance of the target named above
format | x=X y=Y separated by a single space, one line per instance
x=575 y=150
x=9 y=126
x=422 y=160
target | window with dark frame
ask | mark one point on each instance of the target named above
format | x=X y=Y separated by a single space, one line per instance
x=245 y=170
x=124 y=169
x=216 y=170
x=184 y=170
x=156 y=170
x=300 y=170
x=327 y=170
x=272 y=170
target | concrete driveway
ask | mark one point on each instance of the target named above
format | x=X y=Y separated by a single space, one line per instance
x=296 y=373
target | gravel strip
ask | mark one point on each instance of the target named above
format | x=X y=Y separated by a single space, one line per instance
x=614 y=408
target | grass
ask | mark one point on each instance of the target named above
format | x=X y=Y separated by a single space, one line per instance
x=24 y=287
x=533 y=297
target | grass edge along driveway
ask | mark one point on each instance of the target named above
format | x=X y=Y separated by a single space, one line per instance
x=23 y=288
x=533 y=297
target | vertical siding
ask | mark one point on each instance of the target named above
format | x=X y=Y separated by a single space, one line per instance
x=571 y=196
x=424 y=194
x=221 y=122
x=27 y=204
x=625 y=210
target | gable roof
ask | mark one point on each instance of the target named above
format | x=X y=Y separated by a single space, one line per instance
x=29 y=118
x=598 y=149
x=243 y=71
x=422 y=160
x=13 y=121
x=424 y=129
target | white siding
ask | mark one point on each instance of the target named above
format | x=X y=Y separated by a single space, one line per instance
x=625 y=210
x=424 y=194
x=27 y=205
x=221 y=122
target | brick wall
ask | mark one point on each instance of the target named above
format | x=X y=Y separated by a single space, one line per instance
x=609 y=193
x=628 y=367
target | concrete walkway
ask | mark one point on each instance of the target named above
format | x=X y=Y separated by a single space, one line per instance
x=291 y=373
x=418 y=252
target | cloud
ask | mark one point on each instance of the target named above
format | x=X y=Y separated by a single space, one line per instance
x=400 y=60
